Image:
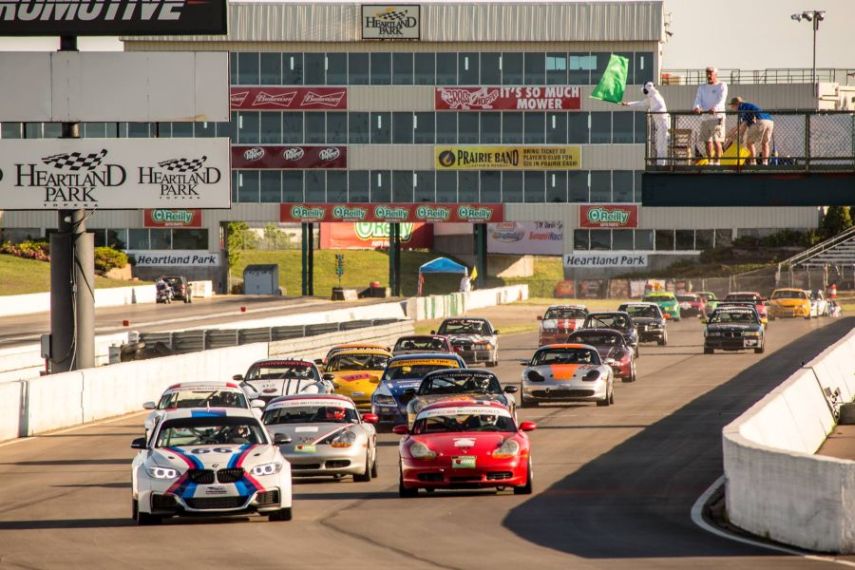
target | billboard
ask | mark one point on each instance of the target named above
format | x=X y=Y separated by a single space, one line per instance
x=189 y=258
x=507 y=157
x=114 y=86
x=373 y=235
x=608 y=216
x=528 y=98
x=112 y=17
x=114 y=174
x=603 y=259
x=521 y=238
x=285 y=98
x=391 y=212
x=391 y=22
x=284 y=157
x=172 y=218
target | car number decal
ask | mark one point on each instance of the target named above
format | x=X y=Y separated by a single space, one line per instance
x=464 y=442
x=463 y=462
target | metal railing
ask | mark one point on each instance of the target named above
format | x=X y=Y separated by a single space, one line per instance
x=758 y=76
x=823 y=246
x=800 y=141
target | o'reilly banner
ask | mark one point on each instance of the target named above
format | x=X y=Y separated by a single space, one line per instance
x=112 y=17
x=114 y=174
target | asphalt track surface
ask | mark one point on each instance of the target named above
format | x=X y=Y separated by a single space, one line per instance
x=613 y=486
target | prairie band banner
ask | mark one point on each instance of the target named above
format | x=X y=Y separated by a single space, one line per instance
x=391 y=212
x=528 y=98
x=565 y=157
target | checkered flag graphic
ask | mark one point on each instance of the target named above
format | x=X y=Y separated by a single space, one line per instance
x=183 y=164
x=393 y=16
x=75 y=161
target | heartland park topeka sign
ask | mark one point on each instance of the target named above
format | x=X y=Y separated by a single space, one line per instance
x=115 y=174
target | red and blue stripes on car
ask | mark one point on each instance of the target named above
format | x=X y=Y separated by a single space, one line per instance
x=246 y=485
x=183 y=486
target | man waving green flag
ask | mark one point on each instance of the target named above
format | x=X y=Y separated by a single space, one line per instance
x=613 y=82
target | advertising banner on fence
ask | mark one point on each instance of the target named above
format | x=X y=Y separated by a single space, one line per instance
x=604 y=259
x=112 y=17
x=608 y=216
x=373 y=235
x=521 y=238
x=393 y=212
x=288 y=98
x=507 y=157
x=391 y=21
x=190 y=258
x=114 y=174
x=528 y=98
x=283 y=157
x=163 y=218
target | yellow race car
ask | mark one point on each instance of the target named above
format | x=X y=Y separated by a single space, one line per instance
x=356 y=372
x=789 y=303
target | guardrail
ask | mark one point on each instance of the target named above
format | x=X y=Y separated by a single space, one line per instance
x=801 y=141
x=757 y=76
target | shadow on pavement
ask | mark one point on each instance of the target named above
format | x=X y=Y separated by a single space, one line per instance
x=62 y=462
x=635 y=500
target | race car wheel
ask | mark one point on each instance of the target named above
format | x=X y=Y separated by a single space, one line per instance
x=608 y=400
x=374 y=467
x=633 y=376
x=663 y=340
x=405 y=492
x=144 y=519
x=526 y=403
x=527 y=488
x=364 y=477
x=636 y=351
x=281 y=515
x=708 y=350
x=760 y=350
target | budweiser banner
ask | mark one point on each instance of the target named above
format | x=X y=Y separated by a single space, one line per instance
x=395 y=212
x=529 y=98
x=374 y=235
x=507 y=157
x=608 y=216
x=284 y=157
x=288 y=98
x=163 y=218
x=114 y=174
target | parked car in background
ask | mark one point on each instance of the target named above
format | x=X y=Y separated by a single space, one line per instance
x=612 y=348
x=274 y=377
x=691 y=305
x=474 y=339
x=566 y=373
x=710 y=301
x=666 y=301
x=753 y=297
x=617 y=320
x=789 y=302
x=558 y=321
x=182 y=290
x=422 y=343
x=649 y=322
x=734 y=328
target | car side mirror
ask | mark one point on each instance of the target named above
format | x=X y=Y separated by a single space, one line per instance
x=281 y=438
x=528 y=426
x=149 y=406
x=258 y=404
x=138 y=443
x=510 y=389
x=319 y=361
x=401 y=429
x=523 y=362
x=539 y=317
x=237 y=377
x=328 y=376
x=370 y=418
x=496 y=332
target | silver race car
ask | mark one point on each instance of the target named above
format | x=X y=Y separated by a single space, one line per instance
x=324 y=435
x=567 y=373
x=215 y=462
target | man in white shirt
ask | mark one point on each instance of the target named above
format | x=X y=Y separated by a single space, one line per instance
x=660 y=120
x=711 y=98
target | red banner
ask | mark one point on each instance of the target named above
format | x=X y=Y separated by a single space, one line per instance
x=608 y=216
x=282 y=157
x=374 y=235
x=285 y=98
x=528 y=98
x=395 y=212
x=172 y=218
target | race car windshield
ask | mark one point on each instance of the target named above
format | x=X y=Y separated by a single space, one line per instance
x=597 y=339
x=565 y=313
x=310 y=415
x=426 y=345
x=789 y=295
x=644 y=311
x=467 y=384
x=463 y=422
x=733 y=317
x=687 y=298
x=210 y=431
x=743 y=298
x=202 y=399
x=606 y=321
x=273 y=372
x=464 y=327
x=357 y=362
x=656 y=298
x=565 y=356
x=417 y=371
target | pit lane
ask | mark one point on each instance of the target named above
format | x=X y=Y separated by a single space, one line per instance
x=613 y=486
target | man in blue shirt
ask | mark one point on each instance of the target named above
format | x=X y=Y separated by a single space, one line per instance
x=756 y=125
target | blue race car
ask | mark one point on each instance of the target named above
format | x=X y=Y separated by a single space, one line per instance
x=401 y=379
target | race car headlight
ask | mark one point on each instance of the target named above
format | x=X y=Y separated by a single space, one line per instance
x=383 y=396
x=712 y=333
x=508 y=449
x=752 y=334
x=156 y=472
x=420 y=451
x=266 y=469
x=591 y=376
x=344 y=439
x=534 y=376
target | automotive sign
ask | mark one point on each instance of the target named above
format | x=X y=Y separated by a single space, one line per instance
x=529 y=98
x=507 y=157
x=373 y=235
x=520 y=238
x=608 y=216
x=391 y=212
x=112 y=17
x=168 y=218
x=284 y=98
x=283 y=157
x=391 y=22
x=114 y=174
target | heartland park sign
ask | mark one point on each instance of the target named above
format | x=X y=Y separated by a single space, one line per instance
x=392 y=212
x=604 y=259
x=114 y=174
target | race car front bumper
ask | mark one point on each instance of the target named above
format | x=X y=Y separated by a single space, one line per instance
x=565 y=391
x=440 y=474
x=475 y=355
x=389 y=414
x=739 y=343
x=348 y=461
x=646 y=333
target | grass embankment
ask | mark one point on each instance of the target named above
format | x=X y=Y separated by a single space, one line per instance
x=19 y=276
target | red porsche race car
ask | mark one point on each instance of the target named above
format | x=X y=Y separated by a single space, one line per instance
x=465 y=444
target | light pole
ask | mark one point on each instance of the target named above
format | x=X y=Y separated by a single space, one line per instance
x=814 y=17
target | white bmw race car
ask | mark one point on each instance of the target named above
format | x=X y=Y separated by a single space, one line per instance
x=209 y=462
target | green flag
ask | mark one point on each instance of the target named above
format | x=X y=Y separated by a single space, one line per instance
x=613 y=82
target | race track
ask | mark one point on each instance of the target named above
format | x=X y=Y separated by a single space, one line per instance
x=613 y=486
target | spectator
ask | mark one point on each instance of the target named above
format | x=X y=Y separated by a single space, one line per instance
x=755 y=125
x=660 y=122
x=465 y=284
x=710 y=98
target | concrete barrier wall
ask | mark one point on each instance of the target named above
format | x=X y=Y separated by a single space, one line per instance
x=25 y=362
x=318 y=346
x=10 y=409
x=455 y=304
x=775 y=486
x=12 y=305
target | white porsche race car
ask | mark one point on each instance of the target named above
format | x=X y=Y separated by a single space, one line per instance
x=209 y=461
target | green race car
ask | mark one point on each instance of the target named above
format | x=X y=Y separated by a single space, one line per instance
x=667 y=303
x=710 y=300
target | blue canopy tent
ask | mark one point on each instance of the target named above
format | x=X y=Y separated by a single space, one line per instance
x=440 y=265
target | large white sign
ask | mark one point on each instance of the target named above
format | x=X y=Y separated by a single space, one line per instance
x=520 y=238
x=115 y=174
x=602 y=259
x=153 y=258
x=114 y=86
